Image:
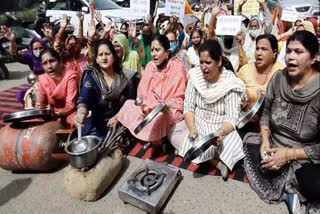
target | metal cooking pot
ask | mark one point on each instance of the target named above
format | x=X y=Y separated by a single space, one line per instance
x=86 y=157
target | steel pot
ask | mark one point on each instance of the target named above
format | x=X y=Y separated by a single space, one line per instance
x=85 y=157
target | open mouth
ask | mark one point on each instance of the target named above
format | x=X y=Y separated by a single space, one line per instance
x=259 y=59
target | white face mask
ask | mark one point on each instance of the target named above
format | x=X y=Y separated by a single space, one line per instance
x=36 y=53
x=254 y=33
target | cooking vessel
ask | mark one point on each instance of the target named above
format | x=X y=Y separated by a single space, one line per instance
x=246 y=116
x=200 y=146
x=27 y=115
x=149 y=117
x=84 y=153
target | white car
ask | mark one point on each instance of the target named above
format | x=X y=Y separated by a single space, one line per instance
x=109 y=10
x=306 y=9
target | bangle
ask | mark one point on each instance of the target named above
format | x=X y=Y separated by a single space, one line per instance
x=266 y=129
x=286 y=155
x=295 y=153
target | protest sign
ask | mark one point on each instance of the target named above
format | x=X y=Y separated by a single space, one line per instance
x=140 y=8
x=228 y=25
x=251 y=7
x=175 y=8
x=289 y=15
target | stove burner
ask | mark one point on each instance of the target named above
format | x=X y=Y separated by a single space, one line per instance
x=147 y=180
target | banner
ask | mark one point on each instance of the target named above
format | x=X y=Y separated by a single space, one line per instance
x=228 y=25
x=175 y=8
x=140 y=8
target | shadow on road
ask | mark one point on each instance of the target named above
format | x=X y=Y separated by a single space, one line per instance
x=13 y=189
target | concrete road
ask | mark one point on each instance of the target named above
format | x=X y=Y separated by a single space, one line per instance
x=44 y=192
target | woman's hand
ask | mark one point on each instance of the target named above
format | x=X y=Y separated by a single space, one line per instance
x=145 y=110
x=242 y=2
x=277 y=158
x=80 y=16
x=132 y=31
x=221 y=134
x=7 y=33
x=193 y=134
x=92 y=29
x=265 y=146
x=64 y=21
x=113 y=121
x=80 y=118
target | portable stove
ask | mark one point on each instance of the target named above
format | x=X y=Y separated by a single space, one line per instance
x=150 y=185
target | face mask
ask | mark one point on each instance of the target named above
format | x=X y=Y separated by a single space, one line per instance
x=173 y=47
x=254 y=33
x=36 y=53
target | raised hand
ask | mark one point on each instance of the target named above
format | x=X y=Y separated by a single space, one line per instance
x=7 y=33
x=216 y=8
x=47 y=29
x=239 y=38
x=98 y=16
x=64 y=21
x=132 y=31
x=80 y=16
x=91 y=29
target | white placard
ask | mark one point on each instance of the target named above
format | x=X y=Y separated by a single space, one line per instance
x=289 y=15
x=140 y=8
x=175 y=8
x=228 y=25
x=207 y=18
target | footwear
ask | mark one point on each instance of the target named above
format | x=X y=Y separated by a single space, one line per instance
x=313 y=208
x=293 y=203
x=224 y=171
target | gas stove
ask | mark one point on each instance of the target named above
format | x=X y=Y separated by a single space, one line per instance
x=150 y=185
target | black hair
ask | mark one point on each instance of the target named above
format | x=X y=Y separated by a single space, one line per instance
x=125 y=24
x=215 y=52
x=198 y=31
x=174 y=33
x=272 y=40
x=117 y=65
x=309 y=41
x=53 y=53
x=164 y=42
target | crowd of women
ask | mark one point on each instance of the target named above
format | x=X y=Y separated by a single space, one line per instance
x=204 y=81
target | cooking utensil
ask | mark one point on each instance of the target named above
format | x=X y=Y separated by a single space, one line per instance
x=79 y=145
x=138 y=101
x=246 y=116
x=87 y=157
x=27 y=115
x=201 y=146
x=149 y=117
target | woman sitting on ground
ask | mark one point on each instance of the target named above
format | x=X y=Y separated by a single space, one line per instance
x=256 y=75
x=288 y=166
x=164 y=80
x=105 y=86
x=212 y=105
x=58 y=87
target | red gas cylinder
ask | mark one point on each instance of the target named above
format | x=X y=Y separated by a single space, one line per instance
x=28 y=146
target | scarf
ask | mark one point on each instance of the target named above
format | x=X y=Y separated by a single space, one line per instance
x=302 y=95
x=130 y=59
x=233 y=53
x=213 y=92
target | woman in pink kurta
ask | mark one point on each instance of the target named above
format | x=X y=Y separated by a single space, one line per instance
x=165 y=77
x=58 y=88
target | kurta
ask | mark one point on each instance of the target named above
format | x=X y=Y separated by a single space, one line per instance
x=60 y=96
x=104 y=102
x=293 y=117
x=209 y=116
x=193 y=57
x=170 y=84
x=246 y=75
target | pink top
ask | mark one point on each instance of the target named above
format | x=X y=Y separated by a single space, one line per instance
x=170 y=84
x=61 y=97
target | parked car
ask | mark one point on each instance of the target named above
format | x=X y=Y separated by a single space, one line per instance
x=110 y=11
x=306 y=9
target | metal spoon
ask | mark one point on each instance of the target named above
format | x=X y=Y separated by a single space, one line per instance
x=138 y=101
x=79 y=145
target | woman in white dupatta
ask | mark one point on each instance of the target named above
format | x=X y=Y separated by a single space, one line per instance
x=212 y=105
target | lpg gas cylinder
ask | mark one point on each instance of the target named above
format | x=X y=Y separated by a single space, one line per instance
x=27 y=146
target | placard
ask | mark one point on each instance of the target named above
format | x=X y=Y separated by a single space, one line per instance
x=140 y=8
x=289 y=15
x=175 y=8
x=228 y=25
x=251 y=7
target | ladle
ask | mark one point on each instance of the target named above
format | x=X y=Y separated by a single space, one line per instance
x=138 y=101
x=79 y=145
